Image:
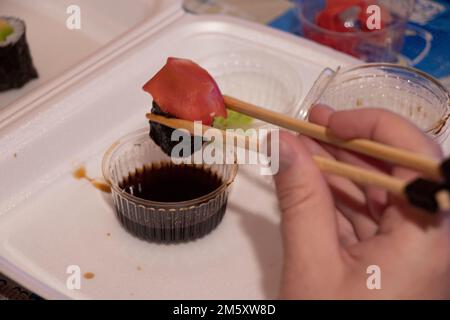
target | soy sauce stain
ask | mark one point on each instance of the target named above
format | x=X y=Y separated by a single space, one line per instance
x=103 y=187
x=89 y=275
x=80 y=173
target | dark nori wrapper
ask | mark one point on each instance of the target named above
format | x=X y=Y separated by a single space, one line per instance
x=162 y=135
x=16 y=65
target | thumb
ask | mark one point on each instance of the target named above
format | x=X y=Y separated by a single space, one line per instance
x=309 y=222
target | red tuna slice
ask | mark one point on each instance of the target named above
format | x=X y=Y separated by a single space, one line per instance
x=187 y=91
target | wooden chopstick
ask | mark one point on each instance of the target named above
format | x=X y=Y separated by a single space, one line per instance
x=361 y=176
x=426 y=165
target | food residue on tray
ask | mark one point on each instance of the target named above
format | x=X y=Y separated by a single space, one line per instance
x=89 y=275
x=102 y=186
x=80 y=173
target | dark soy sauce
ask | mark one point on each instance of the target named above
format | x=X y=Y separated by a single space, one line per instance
x=167 y=182
x=171 y=183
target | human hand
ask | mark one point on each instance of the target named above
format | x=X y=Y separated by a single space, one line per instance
x=333 y=229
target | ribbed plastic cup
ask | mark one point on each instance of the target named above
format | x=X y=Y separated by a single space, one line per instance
x=162 y=222
x=403 y=90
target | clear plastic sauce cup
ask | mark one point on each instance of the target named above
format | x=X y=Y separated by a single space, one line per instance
x=406 y=91
x=162 y=222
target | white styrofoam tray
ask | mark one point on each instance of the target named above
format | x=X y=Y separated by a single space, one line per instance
x=49 y=220
x=55 y=48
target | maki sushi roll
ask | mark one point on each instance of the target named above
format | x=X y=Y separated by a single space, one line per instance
x=16 y=65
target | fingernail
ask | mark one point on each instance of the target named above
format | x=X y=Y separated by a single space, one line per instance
x=287 y=155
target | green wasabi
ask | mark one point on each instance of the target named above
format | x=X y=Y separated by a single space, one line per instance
x=5 y=30
x=235 y=120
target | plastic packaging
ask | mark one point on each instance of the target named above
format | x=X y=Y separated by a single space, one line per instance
x=403 y=90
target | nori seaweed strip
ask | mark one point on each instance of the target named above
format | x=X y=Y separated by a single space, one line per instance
x=422 y=194
x=16 y=64
x=162 y=135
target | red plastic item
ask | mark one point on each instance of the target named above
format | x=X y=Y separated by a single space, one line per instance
x=330 y=19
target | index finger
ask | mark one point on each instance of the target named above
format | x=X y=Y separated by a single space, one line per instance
x=382 y=126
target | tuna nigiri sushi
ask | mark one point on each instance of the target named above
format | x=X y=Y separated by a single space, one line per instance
x=184 y=90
